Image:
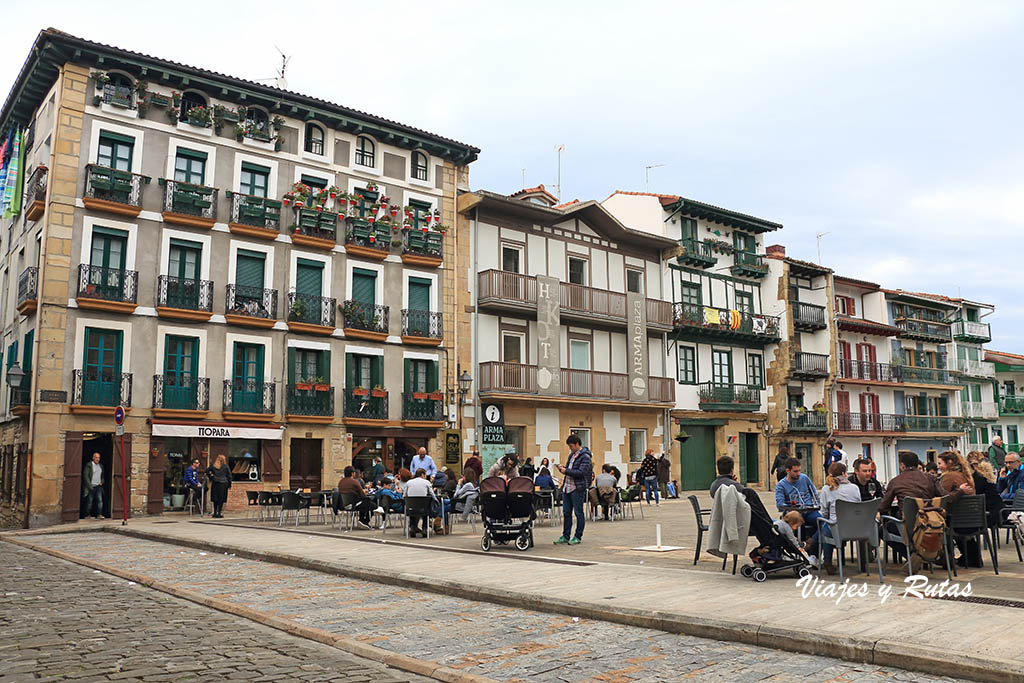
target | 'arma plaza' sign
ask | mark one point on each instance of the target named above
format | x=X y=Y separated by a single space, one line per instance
x=199 y=431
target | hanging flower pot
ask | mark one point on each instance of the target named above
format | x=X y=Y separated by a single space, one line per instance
x=394 y=212
x=373 y=238
x=299 y=204
x=371 y=219
x=319 y=208
x=428 y=218
x=332 y=195
x=285 y=201
x=353 y=202
x=424 y=229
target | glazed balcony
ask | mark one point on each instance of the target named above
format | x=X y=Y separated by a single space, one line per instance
x=95 y=391
x=923 y=331
x=422 y=328
x=809 y=365
x=34 y=198
x=113 y=191
x=910 y=374
x=363 y=239
x=979 y=410
x=697 y=254
x=254 y=216
x=28 y=290
x=422 y=409
x=365 y=406
x=184 y=298
x=189 y=204
x=868 y=423
x=250 y=306
x=1011 y=405
x=21 y=398
x=698 y=322
x=249 y=400
x=422 y=247
x=934 y=423
x=973 y=332
x=180 y=396
x=808 y=317
x=974 y=368
x=807 y=421
x=732 y=397
x=519 y=378
x=107 y=289
x=365 y=321
x=748 y=264
x=317 y=229
x=310 y=313
x=869 y=372
x=308 y=402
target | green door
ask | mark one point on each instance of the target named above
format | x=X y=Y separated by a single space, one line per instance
x=698 y=458
x=248 y=378
x=180 y=369
x=101 y=384
x=183 y=274
x=107 y=262
x=748 y=458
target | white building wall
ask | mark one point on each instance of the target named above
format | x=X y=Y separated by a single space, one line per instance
x=640 y=212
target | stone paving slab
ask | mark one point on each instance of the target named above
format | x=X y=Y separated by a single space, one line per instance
x=499 y=642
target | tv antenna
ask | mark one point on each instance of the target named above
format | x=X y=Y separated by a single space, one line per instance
x=818 y=238
x=647 y=175
x=558 y=186
x=279 y=79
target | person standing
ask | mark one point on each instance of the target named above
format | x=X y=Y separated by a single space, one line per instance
x=423 y=461
x=474 y=463
x=92 y=487
x=378 y=471
x=577 y=473
x=649 y=476
x=220 y=476
x=528 y=469
x=997 y=453
x=664 y=474
x=779 y=465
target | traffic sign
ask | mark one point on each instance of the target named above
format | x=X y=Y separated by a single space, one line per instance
x=119 y=430
x=119 y=415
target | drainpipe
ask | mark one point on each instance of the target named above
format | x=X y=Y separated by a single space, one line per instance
x=475 y=330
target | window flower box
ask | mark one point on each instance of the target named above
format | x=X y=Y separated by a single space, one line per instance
x=378 y=392
x=420 y=395
x=436 y=396
x=304 y=386
x=358 y=391
x=322 y=387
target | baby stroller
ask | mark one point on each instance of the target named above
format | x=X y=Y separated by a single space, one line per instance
x=507 y=509
x=774 y=552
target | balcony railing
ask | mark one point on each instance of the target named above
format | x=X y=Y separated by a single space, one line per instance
x=111 y=185
x=504 y=287
x=1011 y=405
x=423 y=409
x=428 y=324
x=22 y=396
x=696 y=253
x=934 y=423
x=659 y=313
x=421 y=243
x=712 y=396
x=966 y=330
x=916 y=329
x=810 y=364
x=519 y=378
x=309 y=402
x=662 y=390
x=356 y=315
x=258 y=212
x=35 y=192
x=808 y=316
x=590 y=301
x=249 y=396
x=868 y=422
x=101 y=387
x=515 y=378
x=593 y=384
x=190 y=199
x=28 y=285
x=108 y=284
x=915 y=375
x=979 y=410
x=364 y=234
x=184 y=293
x=311 y=309
x=975 y=368
x=119 y=95
x=254 y=302
x=321 y=225
x=725 y=323
x=365 y=406
x=807 y=421
x=874 y=372
x=181 y=392
x=749 y=264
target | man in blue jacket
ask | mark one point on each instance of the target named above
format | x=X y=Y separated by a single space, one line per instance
x=796 y=490
x=574 y=489
x=1011 y=476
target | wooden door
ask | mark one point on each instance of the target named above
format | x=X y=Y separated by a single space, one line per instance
x=72 y=495
x=121 y=484
x=843 y=410
x=306 y=465
x=155 y=487
x=846 y=368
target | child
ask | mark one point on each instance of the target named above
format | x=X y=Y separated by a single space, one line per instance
x=788 y=526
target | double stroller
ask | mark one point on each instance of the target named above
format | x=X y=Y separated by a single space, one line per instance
x=507 y=511
x=774 y=551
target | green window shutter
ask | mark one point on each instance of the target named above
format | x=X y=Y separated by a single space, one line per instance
x=309 y=277
x=186 y=244
x=239 y=361
x=943 y=405
x=432 y=375
x=12 y=353
x=350 y=370
x=419 y=294
x=740 y=466
x=117 y=137
x=319 y=183
x=254 y=168
x=408 y=370
x=26 y=355
x=291 y=365
x=324 y=365
x=377 y=371
x=192 y=154
x=249 y=269
x=364 y=286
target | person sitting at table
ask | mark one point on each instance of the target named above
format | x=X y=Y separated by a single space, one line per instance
x=726 y=477
x=984 y=480
x=440 y=479
x=910 y=482
x=955 y=473
x=837 y=487
x=403 y=478
x=363 y=504
x=543 y=480
x=796 y=491
x=932 y=469
x=603 y=493
x=1011 y=477
x=419 y=487
x=864 y=479
x=465 y=494
x=389 y=499
x=450 y=483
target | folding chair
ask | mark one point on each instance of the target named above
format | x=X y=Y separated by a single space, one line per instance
x=291 y=501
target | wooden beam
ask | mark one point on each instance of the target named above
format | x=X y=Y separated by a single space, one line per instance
x=185 y=82
x=294 y=110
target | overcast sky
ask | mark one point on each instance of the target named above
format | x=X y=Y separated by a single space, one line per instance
x=892 y=126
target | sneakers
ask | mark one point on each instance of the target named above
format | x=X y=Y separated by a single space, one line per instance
x=379 y=510
x=575 y=541
x=562 y=540
x=813 y=559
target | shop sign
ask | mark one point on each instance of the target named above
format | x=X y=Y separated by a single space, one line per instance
x=217 y=432
x=452 y=446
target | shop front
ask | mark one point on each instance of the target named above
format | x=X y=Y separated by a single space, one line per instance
x=395 y=447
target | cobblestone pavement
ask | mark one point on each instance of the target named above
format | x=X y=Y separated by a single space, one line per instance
x=482 y=638
x=61 y=621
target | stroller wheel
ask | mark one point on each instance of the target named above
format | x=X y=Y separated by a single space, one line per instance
x=522 y=542
x=801 y=572
x=746 y=570
x=485 y=543
x=759 y=575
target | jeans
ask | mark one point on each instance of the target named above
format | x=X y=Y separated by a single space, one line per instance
x=572 y=503
x=651 y=485
x=826 y=549
x=94 y=502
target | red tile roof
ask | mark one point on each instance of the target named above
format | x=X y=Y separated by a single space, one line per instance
x=1015 y=356
x=934 y=297
x=666 y=199
x=535 y=190
x=567 y=204
x=843 y=280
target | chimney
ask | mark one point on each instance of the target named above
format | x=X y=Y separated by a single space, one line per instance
x=775 y=251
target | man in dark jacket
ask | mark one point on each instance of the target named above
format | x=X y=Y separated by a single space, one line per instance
x=864 y=478
x=362 y=504
x=664 y=474
x=913 y=483
x=577 y=473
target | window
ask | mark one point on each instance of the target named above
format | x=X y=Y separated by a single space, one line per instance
x=190 y=101
x=514 y=440
x=244 y=459
x=579 y=354
x=364 y=286
x=637 y=444
x=745 y=302
x=582 y=432
x=688 y=364
x=306 y=365
x=190 y=166
x=997 y=430
x=1011 y=435
x=419 y=294
x=743 y=242
x=249 y=269
x=635 y=281
x=102 y=368
x=419 y=166
x=755 y=370
x=721 y=366
x=845 y=305
x=119 y=91
x=972 y=315
x=313 y=181
x=309 y=281
x=689 y=229
x=577 y=271
x=510 y=258
x=689 y=293
x=115 y=151
x=254 y=180
x=512 y=348
x=257 y=123
x=364 y=151
x=420 y=211
x=181 y=362
x=865 y=451
x=314 y=143
x=363 y=372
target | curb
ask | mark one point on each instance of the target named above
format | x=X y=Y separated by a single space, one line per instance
x=344 y=643
x=883 y=652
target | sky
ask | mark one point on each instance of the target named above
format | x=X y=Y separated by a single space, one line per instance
x=892 y=129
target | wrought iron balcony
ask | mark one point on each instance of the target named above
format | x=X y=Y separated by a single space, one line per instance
x=808 y=317
x=872 y=372
x=696 y=253
x=417 y=407
x=974 y=332
x=101 y=387
x=367 y=317
x=249 y=396
x=934 y=423
x=427 y=244
x=255 y=212
x=422 y=324
x=807 y=421
x=868 y=423
x=311 y=309
x=367 y=239
x=309 y=402
x=317 y=225
x=112 y=190
x=699 y=321
x=189 y=200
x=975 y=368
x=809 y=365
x=361 y=404
x=979 y=410
x=1011 y=405
x=181 y=392
x=107 y=284
x=21 y=398
x=184 y=293
x=119 y=95
x=252 y=302
x=28 y=286
x=916 y=329
x=914 y=375
x=34 y=198
x=519 y=378
x=739 y=397
x=749 y=264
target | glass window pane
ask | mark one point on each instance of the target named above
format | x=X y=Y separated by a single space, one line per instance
x=512 y=348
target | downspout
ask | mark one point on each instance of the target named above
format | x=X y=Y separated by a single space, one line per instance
x=475 y=331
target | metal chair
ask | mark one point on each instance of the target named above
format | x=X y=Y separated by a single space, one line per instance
x=1016 y=505
x=899 y=531
x=701 y=526
x=291 y=501
x=191 y=503
x=417 y=506
x=965 y=519
x=252 y=502
x=627 y=505
x=854 y=522
x=346 y=511
x=474 y=509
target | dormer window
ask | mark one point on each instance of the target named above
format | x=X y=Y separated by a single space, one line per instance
x=365 y=151
x=314 y=139
x=119 y=91
x=419 y=166
x=257 y=124
x=190 y=101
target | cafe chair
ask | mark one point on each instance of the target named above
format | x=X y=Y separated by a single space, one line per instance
x=854 y=522
x=293 y=502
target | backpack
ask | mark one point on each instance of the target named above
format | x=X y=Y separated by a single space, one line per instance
x=928 y=530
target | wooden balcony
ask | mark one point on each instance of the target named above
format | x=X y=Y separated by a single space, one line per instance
x=748 y=264
x=923 y=331
x=517 y=378
x=808 y=317
x=809 y=366
x=697 y=254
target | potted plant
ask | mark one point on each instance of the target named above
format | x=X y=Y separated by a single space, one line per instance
x=176 y=98
x=359 y=391
x=436 y=396
x=819 y=407
x=682 y=436
x=378 y=392
x=100 y=78
x=239 y=132
x=304 y=384
x=420 y=395
x=277 y=122
x=396 y=242
x=298 y=311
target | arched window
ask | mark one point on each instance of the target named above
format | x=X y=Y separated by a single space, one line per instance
x=419 y=166
x=314 y=139
x=120 y=91
x=257 y=124
x=364 y=151
x=190 y=101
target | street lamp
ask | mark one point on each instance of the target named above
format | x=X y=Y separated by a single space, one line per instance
x=14 y=376
x=465 y=384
